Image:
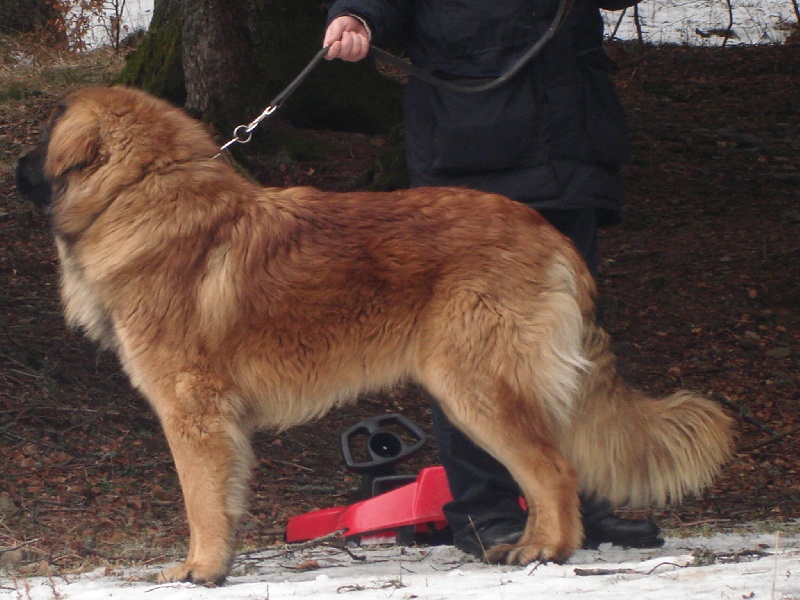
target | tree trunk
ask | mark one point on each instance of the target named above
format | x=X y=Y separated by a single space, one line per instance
x=216 y=52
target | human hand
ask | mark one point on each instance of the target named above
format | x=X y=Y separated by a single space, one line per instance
x=347 y=38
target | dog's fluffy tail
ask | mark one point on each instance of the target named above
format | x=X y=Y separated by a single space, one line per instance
x=636 y=450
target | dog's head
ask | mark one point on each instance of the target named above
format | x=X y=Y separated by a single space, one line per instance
x=97 y=141
x=71 y=143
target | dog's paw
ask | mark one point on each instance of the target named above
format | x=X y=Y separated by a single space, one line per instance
x=210 y=576
x=498 y=555
x=525 y=554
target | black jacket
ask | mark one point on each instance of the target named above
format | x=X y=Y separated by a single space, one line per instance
x=553 y=137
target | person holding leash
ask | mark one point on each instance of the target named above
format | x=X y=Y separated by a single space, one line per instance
x=552 y=136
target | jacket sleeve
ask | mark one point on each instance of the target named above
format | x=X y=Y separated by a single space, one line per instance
x=386 y=18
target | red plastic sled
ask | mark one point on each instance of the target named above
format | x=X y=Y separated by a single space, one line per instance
x=418 y=504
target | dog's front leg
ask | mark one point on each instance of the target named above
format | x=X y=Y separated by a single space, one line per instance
x=213 y=457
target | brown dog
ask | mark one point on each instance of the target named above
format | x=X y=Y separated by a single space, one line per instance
x=234 y=307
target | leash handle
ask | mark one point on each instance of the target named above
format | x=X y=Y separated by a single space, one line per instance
x=244 y=133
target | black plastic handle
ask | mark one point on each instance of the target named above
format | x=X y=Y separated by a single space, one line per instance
x=383 y=447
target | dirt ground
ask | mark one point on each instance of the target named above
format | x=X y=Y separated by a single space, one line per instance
x=700 y=288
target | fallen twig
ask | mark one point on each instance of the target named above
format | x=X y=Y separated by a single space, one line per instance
x=599 y=572
x=18 y=546
x=775 y=437
x=745 y=414
x=290 y=548
x=703 y=523
x=742 y=411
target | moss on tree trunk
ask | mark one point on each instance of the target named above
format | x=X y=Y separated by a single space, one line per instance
x=155 y=65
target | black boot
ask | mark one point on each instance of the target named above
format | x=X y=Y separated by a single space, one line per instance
x=602 y=526
x=490 y=531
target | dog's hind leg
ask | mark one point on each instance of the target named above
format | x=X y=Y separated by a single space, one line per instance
x=517 y=434
x=213 y=458
x=506 y=365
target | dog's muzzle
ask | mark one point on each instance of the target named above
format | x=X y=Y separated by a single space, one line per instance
x=32 y=184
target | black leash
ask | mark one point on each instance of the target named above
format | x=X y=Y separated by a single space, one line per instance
x=477 y=86
x=243 y=133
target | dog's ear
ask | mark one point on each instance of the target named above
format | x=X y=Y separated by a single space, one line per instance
x=74 y=140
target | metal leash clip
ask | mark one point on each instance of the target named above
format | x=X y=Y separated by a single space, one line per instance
x=244 y=133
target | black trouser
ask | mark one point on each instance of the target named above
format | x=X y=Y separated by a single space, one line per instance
x=482 y=488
